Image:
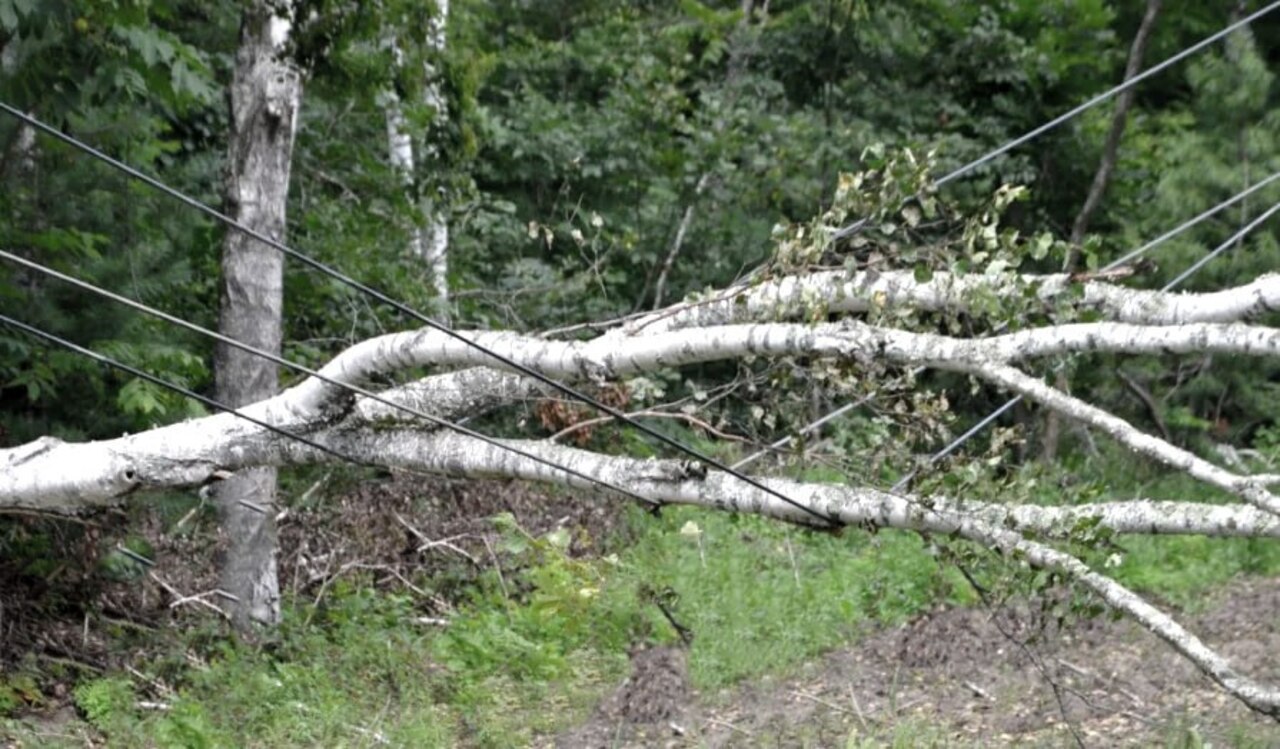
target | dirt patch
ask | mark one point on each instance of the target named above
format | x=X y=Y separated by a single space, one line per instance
x=437 y=529
x=975 y=677
x=647 y=709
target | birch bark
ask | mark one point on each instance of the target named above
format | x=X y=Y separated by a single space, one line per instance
x=265 y=96
x=430 y=240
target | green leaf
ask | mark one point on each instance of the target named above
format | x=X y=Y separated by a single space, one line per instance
x=560 y=538
x=1041 y=245
x=140 y=398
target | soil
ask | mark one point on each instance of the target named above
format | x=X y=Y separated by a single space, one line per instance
x=976 y=677
x=954 y=676
x=652 y=699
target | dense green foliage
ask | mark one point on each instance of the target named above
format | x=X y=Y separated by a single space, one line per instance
x=579 y=135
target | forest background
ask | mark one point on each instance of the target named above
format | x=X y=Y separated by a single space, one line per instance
x=598 y=158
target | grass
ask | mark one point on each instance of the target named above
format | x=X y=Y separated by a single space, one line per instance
x=529 y=652
x=762 y=597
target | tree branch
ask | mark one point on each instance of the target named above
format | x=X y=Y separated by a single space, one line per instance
x=1109 y=150
x=837 y=292
x=1251 y=489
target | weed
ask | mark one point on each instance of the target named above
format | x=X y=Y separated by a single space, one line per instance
x=530 y=648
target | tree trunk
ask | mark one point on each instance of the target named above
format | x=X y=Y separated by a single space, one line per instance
x=430 y=241
x=437 y=231
x=265 y=96
x=24 y=147
x=1110 y=151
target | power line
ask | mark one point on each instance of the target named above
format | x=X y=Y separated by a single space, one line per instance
x=312 y=373
x=311 y=262
x=1197 y=265
x=1060 y=119
x=976 y=428
x=1132 y=254
x=1175 y=231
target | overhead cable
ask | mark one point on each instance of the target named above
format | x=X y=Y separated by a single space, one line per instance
x=311 y=262
x=1066 y=116
x=356 y=389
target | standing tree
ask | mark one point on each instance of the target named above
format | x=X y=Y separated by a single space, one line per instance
x=858 y=329
x=265 y=96
x=429 y=241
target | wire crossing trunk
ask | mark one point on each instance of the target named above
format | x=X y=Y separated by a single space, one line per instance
x=265 y=96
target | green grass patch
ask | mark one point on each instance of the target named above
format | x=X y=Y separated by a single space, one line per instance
x=530 y=651
x=762 y=597
x=360 y=669
x=1182 y=569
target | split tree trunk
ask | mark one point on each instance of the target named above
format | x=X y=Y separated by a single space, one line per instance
x=265 y=95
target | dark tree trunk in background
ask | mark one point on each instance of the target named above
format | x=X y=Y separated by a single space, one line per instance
x=1110 y=152
x=265 y=95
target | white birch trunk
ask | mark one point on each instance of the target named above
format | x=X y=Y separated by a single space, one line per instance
x=429 y=241
x=437 y=232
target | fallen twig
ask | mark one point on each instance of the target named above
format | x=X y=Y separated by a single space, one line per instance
x=979 y=691
x=857 y=709
x=819 y=700
x=181 y=599
x=428 y=544
x=730 y=726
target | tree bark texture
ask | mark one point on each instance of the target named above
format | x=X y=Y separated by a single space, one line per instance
x=265 y=96
x=430 y=240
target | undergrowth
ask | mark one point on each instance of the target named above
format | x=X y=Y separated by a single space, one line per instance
x=528 y=651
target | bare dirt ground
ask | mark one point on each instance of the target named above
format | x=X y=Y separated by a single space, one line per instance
x=969 y=677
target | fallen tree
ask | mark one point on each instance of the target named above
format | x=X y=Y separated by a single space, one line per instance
x=963 y=309
x=51 y=475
